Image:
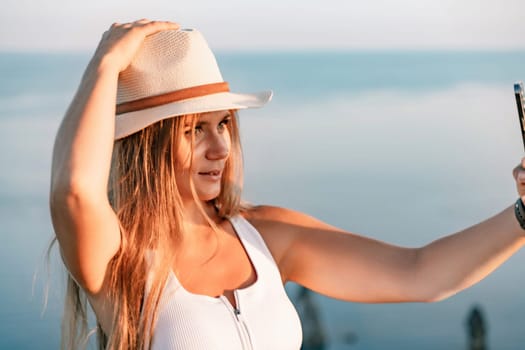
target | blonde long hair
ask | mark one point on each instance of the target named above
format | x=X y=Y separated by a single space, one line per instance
x=145 y=197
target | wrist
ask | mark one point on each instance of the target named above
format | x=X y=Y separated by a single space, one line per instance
x=519 y=212
x=105 y=64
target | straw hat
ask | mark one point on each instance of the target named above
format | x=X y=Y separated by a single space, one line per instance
x=174 y=73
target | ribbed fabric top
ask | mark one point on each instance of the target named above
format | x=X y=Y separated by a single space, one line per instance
x=264 y=318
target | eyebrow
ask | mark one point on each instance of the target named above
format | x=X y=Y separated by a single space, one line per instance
x=205 y=122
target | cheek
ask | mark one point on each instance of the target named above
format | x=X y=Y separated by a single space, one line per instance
x=228 y=142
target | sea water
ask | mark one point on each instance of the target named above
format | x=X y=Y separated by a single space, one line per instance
x=400 y=146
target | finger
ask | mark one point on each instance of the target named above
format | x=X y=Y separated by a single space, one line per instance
x=157 y=26
x=519 y=175
x=138 y=23
x=520 y=178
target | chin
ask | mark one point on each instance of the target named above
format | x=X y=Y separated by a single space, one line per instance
x=206 y=197
x=207 y=192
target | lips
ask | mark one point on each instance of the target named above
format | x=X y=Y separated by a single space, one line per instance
x=211 y=172
x=211 y=175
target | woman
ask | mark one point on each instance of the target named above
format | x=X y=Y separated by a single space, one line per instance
x=167 y=255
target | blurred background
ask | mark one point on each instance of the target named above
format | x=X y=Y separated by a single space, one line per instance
x=395 y=120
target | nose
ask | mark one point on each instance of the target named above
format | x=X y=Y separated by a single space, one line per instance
x=219 y=146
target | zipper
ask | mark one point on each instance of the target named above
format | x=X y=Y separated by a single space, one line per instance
x=242 y=328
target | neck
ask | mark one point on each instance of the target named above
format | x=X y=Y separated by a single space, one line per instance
x=194 y=219
x=199 y=240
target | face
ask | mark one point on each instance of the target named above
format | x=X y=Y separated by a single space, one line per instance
x=211 y=149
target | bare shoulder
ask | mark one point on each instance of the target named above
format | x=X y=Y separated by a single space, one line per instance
x=270 y=222
x=267 y=213
x=271 y=218
x=281 y=227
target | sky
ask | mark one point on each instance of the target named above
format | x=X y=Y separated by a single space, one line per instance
x=66 y=25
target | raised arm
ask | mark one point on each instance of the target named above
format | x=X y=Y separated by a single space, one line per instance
x=86 y=226
x=351 y=267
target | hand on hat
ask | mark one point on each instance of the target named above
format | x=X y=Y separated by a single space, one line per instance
x=519 y=175
x=121 y=41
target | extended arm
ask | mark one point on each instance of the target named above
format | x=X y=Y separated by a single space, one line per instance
x=355 y=268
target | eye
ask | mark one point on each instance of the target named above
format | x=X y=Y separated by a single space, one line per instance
x=196 y=131
x=224 y=123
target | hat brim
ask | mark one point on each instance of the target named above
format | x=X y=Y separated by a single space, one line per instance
x=131 y=122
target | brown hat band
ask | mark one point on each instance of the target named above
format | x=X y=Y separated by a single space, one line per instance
x=174 y=96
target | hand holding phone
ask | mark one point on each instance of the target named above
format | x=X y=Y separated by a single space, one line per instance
x=518 y=93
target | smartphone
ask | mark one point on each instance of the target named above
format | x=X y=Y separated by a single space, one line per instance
x=518 y=93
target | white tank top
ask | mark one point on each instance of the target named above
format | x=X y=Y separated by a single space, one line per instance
x=264 y=318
